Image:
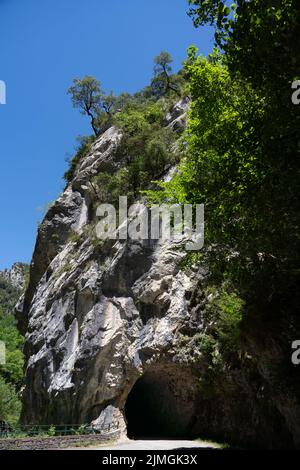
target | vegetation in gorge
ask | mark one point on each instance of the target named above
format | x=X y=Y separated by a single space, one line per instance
x=10 y=404
x=11 y=373
x=240 y=159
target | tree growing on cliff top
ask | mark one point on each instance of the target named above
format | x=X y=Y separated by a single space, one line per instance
x=86 y=94
x=163 y=81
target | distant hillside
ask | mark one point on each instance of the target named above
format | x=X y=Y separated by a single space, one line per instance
x=12 y=283
x=16 y=275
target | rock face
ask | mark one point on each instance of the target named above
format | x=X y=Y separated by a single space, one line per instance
x=96 y=316
x=104 y=324
x=15 y=276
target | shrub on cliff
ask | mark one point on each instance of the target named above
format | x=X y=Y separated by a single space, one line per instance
x=146 y=148
x=84 y=144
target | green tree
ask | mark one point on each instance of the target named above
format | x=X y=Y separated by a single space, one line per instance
x=12 y=370
x=253 y=36
x=108 y=103
x=10 y=405
x=86 y=94
x=222 y=167
x=163 y=81
x=11 y=373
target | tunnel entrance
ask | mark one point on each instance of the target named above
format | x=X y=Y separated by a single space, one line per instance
x=161 y=405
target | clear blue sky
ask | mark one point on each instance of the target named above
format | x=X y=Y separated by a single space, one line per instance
x=43 y=46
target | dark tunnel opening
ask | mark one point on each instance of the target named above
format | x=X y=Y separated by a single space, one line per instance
x=161 y=406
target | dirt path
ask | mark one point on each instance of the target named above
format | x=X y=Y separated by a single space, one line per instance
x=157 y=445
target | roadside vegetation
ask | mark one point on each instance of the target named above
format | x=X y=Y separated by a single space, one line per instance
x=11 y=373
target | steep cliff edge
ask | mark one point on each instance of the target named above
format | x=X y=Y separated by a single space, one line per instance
x=111 y=330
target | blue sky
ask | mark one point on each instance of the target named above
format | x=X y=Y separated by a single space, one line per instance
x=43 y=46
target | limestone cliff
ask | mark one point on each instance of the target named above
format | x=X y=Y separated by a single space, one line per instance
x=100 y=316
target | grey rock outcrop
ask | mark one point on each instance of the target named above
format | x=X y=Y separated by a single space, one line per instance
x=106 y=321
x=96 y=317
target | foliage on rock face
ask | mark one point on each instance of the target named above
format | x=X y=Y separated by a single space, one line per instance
x=146 y=149
x=140 y=113
x=84 y=144
x=217 y=347
x=242 y=158
x=222 y=168
x=262 y=53
x=146 y=145
x=225 y=310
x=243 y=138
